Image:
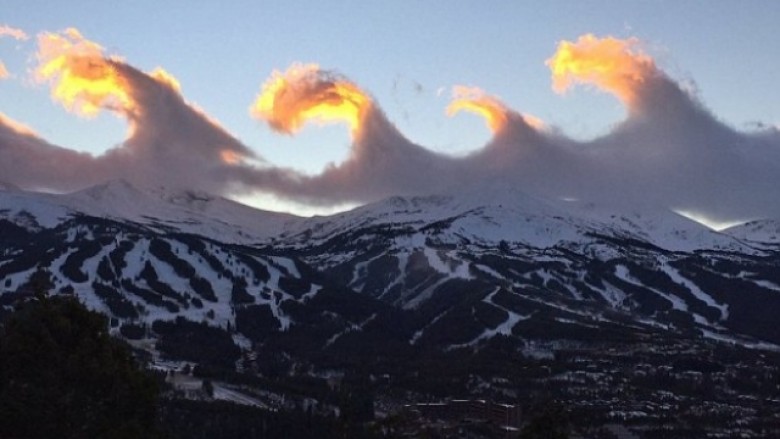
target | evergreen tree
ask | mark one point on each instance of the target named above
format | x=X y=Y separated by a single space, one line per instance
x=548 y=422
x=63 y=376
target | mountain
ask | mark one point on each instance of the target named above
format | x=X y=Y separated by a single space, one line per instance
x=497 y=211
x=765 y=231
x=157 y=208
x=573 y=262
x=407 y=288
x=515 y=257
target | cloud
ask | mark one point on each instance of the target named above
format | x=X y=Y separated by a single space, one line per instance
x=382 y=162
x=170 y=142
x=476 y=101
x=12 y=32
x=669 y=151
x=306 y=93
x=380 y=157
x=18 y=34
x=28 y=161
x=82 y=79
x=17 y=128
x=614 y=65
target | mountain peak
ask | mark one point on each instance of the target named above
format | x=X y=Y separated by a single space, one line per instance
x=110 y=188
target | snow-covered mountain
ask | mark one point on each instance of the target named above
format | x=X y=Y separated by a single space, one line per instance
x=160 y=208
x=442 y=271
x=766 y=231
x=500 y=213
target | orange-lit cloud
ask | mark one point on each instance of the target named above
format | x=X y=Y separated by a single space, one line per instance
x=3 y=71
x=306 y=93
x=12 y=32
x=165 y=78
x=614 y=65
x=81 y=77
x=230 y=157
x=477 y=101
x=534 y=121
x=669 y=150
x=17 y=127
x=170 y=141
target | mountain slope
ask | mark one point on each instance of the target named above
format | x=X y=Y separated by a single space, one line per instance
x=766 y=231
x=159 y=208
x=489 y=261
x=624 y=317
x=549 y=261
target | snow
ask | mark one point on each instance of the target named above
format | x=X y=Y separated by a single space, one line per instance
x=481 y=215
x=538 y=350
x=475 y=220
x=359 y=272
x=489 y=271
x=763 y=231
x=222 y=287
x=403 y=264
x=56 y=267
x=288 y=265
x=277 y=296
x=84 y=290
x=241 y=341
x=504 y=328
x=89 y=266
x=766 y=284
x=611 y=294
x=424 y=295
x=166 y=274
x=224 y=393
x=695 y=290
x=622 y=273
x=461 y=271
x=419 y=333
x=206 y=215
x=39 y=207
x=311 y=293
x=485 y=214
x=15 y=280
x=351 y=328
x=660 y=226
x=725 y=338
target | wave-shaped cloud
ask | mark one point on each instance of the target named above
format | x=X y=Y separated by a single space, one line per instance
x=669 y=150
x=169 y=141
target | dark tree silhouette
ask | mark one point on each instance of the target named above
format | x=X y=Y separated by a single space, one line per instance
x=62 y=375
x=548 y=421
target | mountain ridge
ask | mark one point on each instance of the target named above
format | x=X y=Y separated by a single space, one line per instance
x=636 y=316
x=159 y=246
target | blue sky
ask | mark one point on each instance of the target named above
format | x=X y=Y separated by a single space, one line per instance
x=406 y=54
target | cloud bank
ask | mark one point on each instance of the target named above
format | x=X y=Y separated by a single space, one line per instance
x=669 y=150
x=169 y=141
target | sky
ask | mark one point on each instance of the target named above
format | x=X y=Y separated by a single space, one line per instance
x=407 y=57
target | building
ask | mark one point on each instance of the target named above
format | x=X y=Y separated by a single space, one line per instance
x=465 y=410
